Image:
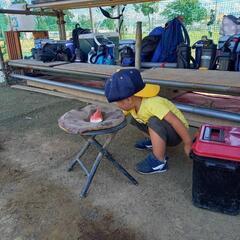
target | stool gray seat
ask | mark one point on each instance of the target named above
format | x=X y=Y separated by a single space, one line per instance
x=113 y=121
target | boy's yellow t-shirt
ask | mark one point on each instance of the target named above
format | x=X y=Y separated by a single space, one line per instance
x=156 y=106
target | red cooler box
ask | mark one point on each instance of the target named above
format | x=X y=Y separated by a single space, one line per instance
x=216 y=169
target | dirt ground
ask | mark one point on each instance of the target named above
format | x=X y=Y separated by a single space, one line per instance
x=39 y=198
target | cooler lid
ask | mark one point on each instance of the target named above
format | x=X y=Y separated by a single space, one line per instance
x=221 y=142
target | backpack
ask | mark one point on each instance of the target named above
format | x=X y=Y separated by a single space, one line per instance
x=127 y=56
x=228 y=55
x=205 y=53
x=149 y=44
x=230 y=25
x=173 y=34
x=105 y=52
x=76 y=32
x=75 y=38
x=103 y=56
x=55 y=52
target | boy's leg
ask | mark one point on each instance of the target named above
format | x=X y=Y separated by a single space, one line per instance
x=162 y=134
x=141 y=126
x=164 y=130
x=143 y=143
x=158 y=144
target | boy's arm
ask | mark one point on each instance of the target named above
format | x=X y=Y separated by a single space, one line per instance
x=181 y=130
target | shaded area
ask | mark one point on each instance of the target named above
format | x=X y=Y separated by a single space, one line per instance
x=39 y=199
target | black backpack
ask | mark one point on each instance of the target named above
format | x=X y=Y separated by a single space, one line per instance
x=55 y=52
x=75 y=38
x=76 y=32
x=227 y=57
x=127 y=56
x=149 y=44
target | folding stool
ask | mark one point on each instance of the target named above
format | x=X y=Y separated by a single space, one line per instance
x=90 y=138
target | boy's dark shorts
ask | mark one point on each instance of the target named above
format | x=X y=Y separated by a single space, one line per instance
x=162 y=128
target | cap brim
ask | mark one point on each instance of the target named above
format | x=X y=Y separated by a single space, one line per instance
x=150 y=90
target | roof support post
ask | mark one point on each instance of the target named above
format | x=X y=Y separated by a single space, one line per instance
x=138 y=45
x=61 y=25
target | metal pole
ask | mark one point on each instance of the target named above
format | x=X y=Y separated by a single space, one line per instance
x=59 y=84
x=138 y=45
x=209 y=112
x=195 y=86
x=91 y=19
x=158 y=65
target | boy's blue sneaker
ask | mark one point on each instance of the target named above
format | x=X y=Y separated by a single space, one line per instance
x=151 y=165
x=144 y=144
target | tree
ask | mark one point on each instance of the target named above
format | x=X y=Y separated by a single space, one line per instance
x=107 y=23
x=191 y=10
x=84 y=21
x=46 y=23
x=147 y=9
x=70 y=23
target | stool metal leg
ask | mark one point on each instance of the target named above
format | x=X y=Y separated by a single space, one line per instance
x=76 y=159
x=102 y=151
x=116 y=164
x=95 y=166
x=121 y=168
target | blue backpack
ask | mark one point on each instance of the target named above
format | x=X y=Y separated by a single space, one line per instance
x=173 y=34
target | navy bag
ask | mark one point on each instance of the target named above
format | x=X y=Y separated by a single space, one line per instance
x=127 y=56
x=173 y=34
x=149 y=44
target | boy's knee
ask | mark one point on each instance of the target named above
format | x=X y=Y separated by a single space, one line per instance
x=154 y=122
x=158 y=126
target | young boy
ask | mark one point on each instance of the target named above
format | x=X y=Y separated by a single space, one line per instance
x=155 y=115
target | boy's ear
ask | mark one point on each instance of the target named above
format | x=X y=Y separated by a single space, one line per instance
x=129 y=99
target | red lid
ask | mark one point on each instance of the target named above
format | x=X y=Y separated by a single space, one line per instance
x=218 y=142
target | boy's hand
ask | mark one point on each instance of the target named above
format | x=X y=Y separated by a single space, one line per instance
x=187 y=148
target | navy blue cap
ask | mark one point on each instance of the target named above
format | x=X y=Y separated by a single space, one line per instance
x=123 y=84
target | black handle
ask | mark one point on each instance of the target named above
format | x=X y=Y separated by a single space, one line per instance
x=208 y=134
x=215 y=164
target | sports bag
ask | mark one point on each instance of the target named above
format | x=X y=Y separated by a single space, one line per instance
x=173 y=34
x=149 y=44
x=127 y=56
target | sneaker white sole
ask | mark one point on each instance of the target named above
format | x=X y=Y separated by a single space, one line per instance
x=147 y=148
x=160 y=171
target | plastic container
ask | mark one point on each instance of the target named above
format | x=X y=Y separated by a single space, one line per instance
x=216 y=169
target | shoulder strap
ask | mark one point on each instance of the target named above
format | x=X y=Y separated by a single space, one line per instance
x=108 y=15
x=186 y=36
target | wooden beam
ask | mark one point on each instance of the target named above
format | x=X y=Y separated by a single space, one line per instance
x=28 y=12
x=83 y=3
